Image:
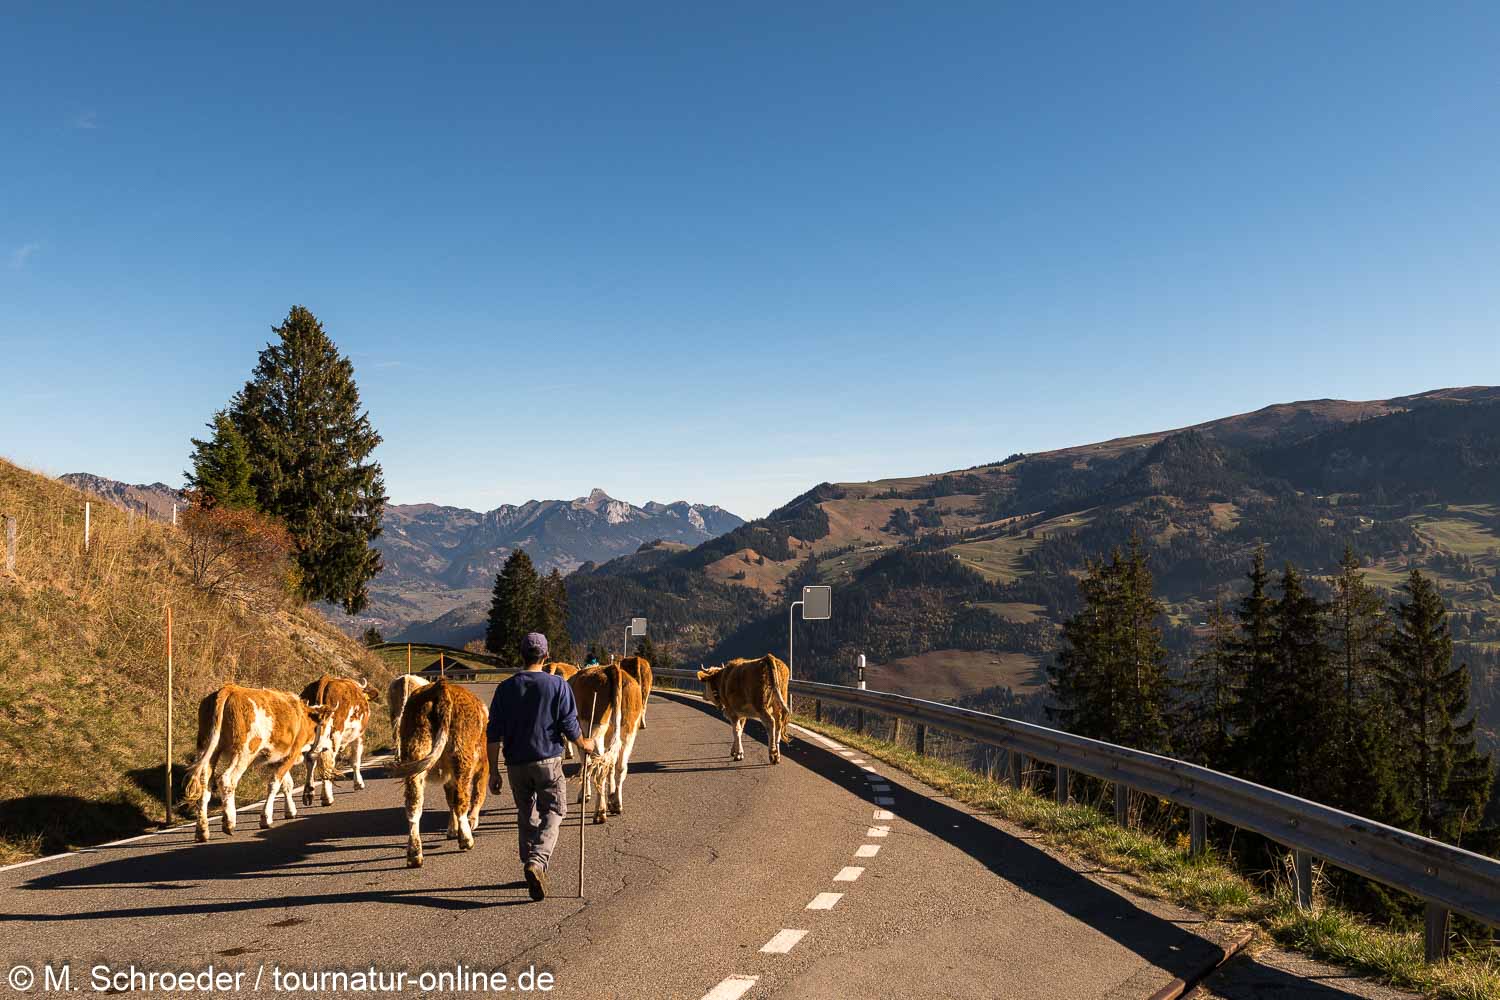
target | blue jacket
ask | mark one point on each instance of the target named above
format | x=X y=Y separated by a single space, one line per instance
x=530 y=714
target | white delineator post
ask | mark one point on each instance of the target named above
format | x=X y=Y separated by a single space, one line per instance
x=169 y=718
x=86 y=506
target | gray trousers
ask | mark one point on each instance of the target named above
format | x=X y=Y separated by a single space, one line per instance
x=541 y=794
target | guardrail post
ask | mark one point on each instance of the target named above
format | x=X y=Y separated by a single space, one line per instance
x=1014 y=764
x=1122 y=804
x=859 y=720
x=1197 y=833
x=817 y=709
x=896 y=729
x=1302 y=873
x=1436 y=936
x=1063 y=793
x=921 y=739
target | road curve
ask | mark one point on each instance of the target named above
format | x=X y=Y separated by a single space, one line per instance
x=702 y=888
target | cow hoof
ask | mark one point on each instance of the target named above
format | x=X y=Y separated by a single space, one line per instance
x=466 y=845
x=598 y=818
x=327 y=800
x=359 y=783
x=413 y=862
x=201 y=836
x=265 y=824
x=614 y=809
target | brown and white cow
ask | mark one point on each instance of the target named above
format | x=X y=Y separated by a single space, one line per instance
x=348 y=703
x=443 y=739
x=640 y=668
x=609 y=710
x=238 y=724
x=401 y=689
x=744 y=689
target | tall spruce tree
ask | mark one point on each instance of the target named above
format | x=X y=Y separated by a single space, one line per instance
x=1255 y=656
x=1365 y=765
x=1109 y=679
x=221 y=469
x=515 y=608
x=309 y=445
x=1210 y=692
x=1446 y=780
x=553 y=608
x=1304 y=711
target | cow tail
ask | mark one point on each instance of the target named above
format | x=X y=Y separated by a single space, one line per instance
x=208 y=742
x=617 y=678
x=778 y=688
x=439 y=744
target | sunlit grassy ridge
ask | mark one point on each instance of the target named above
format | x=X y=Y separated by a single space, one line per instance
x=83 y=663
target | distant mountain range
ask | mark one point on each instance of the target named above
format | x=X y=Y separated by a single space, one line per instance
x=440 y=562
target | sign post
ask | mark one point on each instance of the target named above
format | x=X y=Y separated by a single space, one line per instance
x=637 y=628
x=816 y=605
x=169 y=718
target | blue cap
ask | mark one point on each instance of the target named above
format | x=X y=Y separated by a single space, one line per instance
x=534 y=647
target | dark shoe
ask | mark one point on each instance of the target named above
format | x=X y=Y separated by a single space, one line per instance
x=536 y=882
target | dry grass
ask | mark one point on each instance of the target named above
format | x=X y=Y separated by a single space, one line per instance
x=83 y=667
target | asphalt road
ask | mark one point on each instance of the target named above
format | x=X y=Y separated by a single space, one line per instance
x=712 y=863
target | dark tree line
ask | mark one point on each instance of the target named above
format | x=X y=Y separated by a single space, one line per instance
x=524 y=601
x=1347 y=701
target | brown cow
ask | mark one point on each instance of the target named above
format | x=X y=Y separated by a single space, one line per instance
x=349 y=701
x=443 y=739
x=401 y=689
x=640 y=668
x=745 y=688
x=236 y=725
x=563 y=670
x=609 y=701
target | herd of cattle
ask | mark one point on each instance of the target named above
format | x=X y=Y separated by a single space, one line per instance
x=439 y=729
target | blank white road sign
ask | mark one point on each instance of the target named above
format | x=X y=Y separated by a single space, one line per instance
x=817 y=603
x=637 y=627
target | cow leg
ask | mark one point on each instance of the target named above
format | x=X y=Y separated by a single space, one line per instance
x=737 y=745
x=450 y=790
x=476 y=795
x=601 y=780
x=200 y=832
x=268 y=812
x=359 y=756
x=229 y=779
x=621 y=769
x=414 y=790
x=312 y=773
x=773 y=735
x=288 y=789
x=463 y=791
x=325 y=788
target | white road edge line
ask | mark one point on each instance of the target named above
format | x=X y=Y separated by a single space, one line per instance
x=878 y=831
x=731 y=988
x=848 y=873
x=783 y=942
x=825 y=900
x=867 y=850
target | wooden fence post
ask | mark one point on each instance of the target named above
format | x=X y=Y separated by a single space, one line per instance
x=1197 y=833
x=10 y=543
x=896 y=730
x=168 y=795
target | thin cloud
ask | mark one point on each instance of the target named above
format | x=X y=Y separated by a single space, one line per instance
x=23 y=253
x=84 y=119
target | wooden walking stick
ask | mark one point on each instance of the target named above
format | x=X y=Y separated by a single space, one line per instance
x=583 y=812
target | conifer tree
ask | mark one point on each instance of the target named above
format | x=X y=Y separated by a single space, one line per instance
x=515 y=608
x=553 y=623
x=1366 y=768
x=221 y=466
x=1445 y=779
x=1304 y=721
x=309 y=445
x=1109 y=679
x=1255 y=657
x=1210 y=694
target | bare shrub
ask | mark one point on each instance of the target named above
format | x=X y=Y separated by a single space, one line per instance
x=227 y=545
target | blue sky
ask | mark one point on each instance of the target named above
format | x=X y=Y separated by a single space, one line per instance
x=725 y=251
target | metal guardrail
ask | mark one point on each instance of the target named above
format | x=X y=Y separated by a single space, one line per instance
x=1448 y=878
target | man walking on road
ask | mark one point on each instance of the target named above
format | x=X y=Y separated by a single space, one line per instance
x=529 y=716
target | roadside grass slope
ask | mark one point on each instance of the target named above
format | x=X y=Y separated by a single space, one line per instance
x=83 y=710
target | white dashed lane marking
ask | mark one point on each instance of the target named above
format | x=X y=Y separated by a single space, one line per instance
x=884 y=800
x=867 y=851
x=878 y=831
x=783 y=942
x=732 y=988
x=884 y=814
x=825 y=900
x=848 y=873
x=880 y=788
